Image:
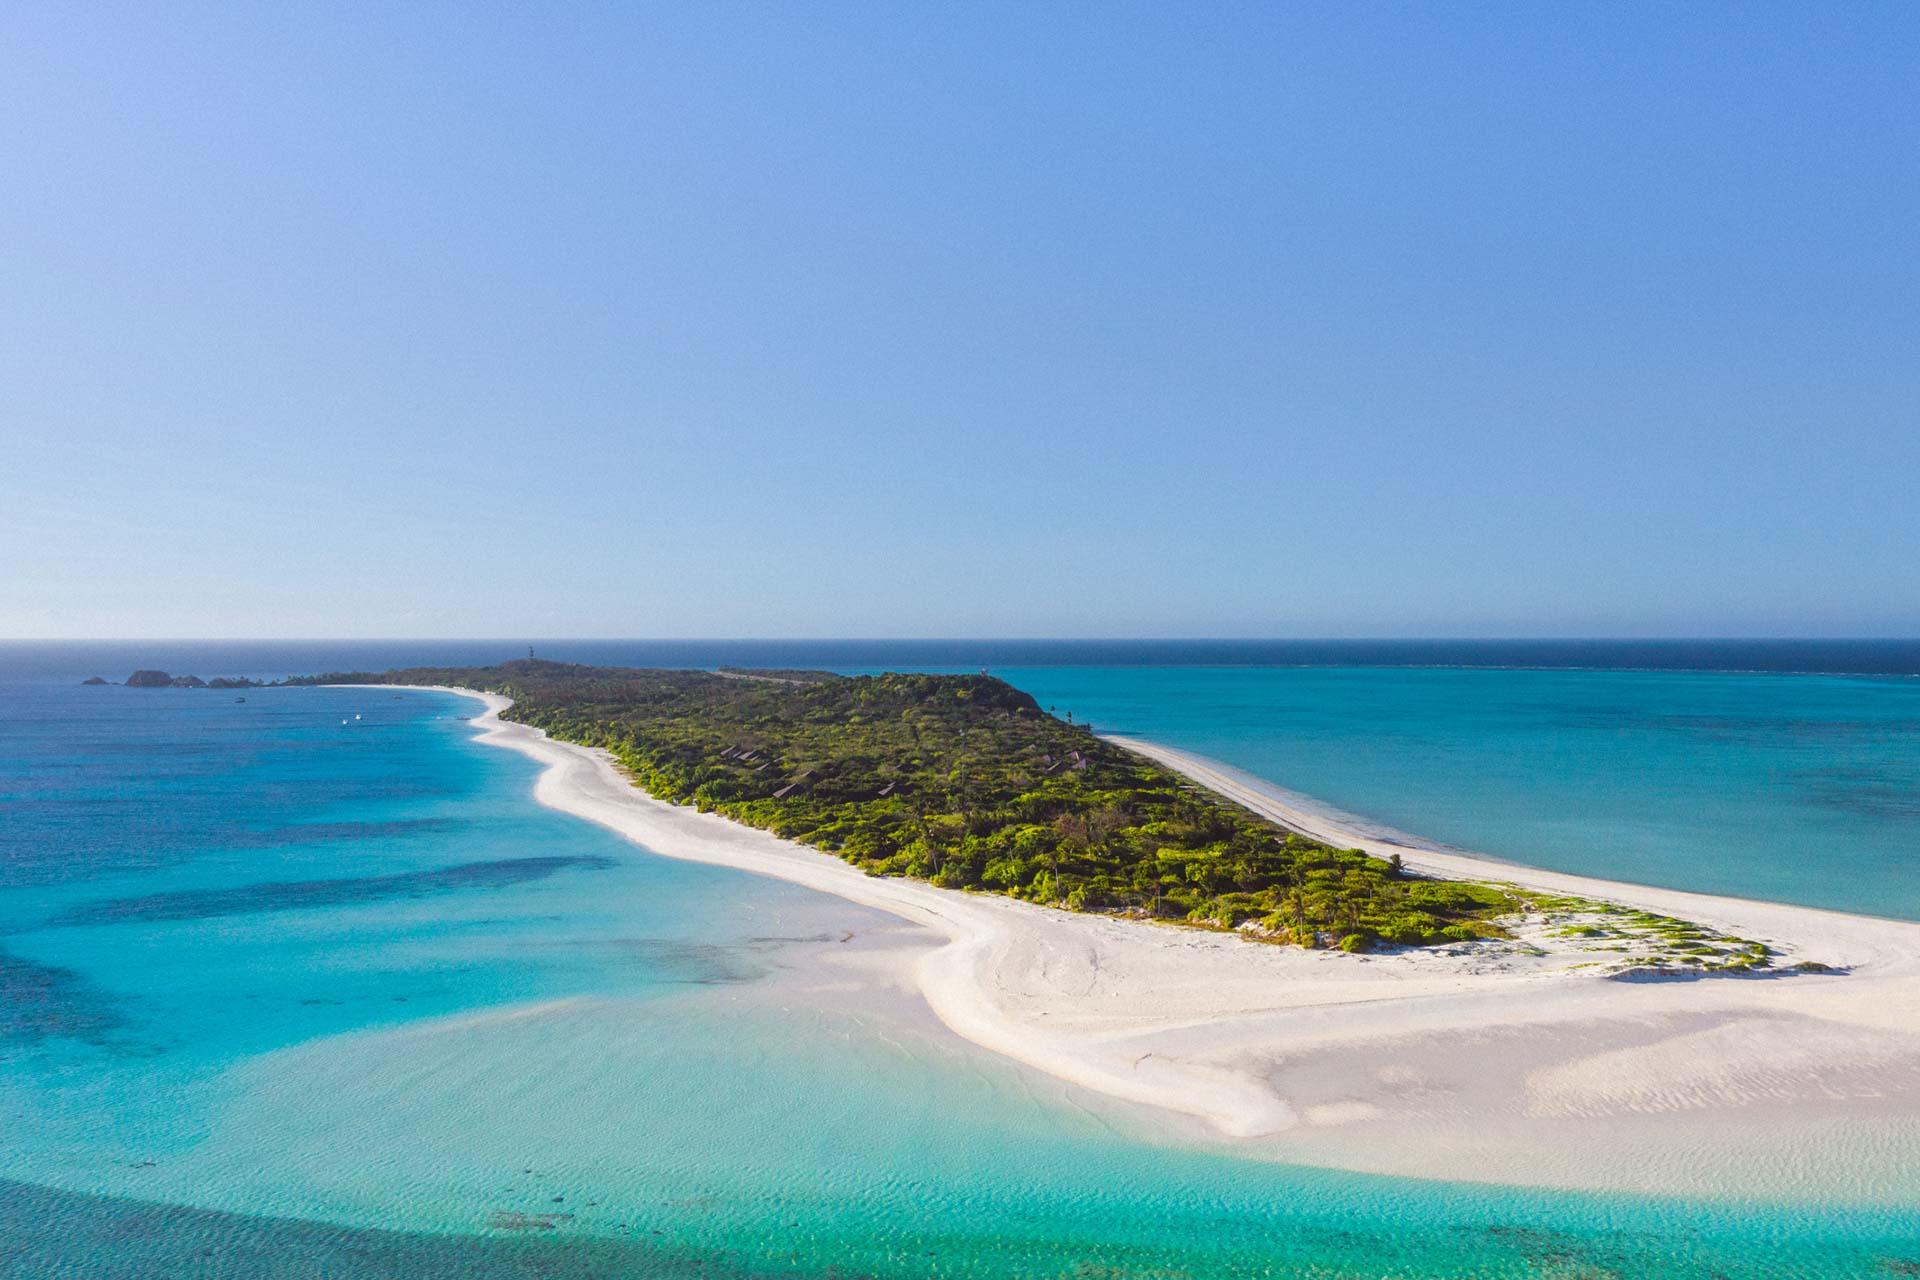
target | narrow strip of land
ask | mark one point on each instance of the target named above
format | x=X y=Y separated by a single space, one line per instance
x=966 y=782
x=1505 y=1060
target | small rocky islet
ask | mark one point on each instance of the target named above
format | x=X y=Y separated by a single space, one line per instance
x=151 y=679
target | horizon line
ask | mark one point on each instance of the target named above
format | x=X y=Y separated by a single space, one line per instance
x=1750 y=638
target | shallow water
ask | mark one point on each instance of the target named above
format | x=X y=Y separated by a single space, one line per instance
x=285 y=996
x=1794 y=788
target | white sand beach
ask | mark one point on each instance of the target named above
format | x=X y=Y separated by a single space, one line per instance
x=1503 y=1062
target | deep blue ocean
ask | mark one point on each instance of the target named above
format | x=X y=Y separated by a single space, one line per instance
x=307 y=985
x=33 y=659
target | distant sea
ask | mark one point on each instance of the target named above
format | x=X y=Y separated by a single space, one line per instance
x=306 y=984
x=31 y=659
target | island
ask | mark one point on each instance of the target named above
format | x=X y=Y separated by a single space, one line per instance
x=150 y=679
x=966 y=782
x=1158 y=928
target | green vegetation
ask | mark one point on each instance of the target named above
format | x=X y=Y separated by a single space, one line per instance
x=964 y=781
x=1645 y=942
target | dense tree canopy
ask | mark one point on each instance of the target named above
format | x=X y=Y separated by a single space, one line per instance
x=966 y=782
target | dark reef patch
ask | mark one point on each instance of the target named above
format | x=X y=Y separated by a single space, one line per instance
x=48 y=1233
x=41 y=1002
x=1865 y=792
x=300 y=895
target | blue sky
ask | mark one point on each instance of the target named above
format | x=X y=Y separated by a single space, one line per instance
x=1061 y=320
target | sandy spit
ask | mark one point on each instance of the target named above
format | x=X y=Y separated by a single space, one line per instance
x=1493 y=1062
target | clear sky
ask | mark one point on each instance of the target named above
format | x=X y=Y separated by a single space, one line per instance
x=963 y=320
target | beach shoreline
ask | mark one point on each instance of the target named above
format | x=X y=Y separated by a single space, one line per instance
x=1830 y=937
x=1474 y=1061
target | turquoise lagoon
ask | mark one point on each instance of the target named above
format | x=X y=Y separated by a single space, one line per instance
x=1797 y=788
x=283 y=995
